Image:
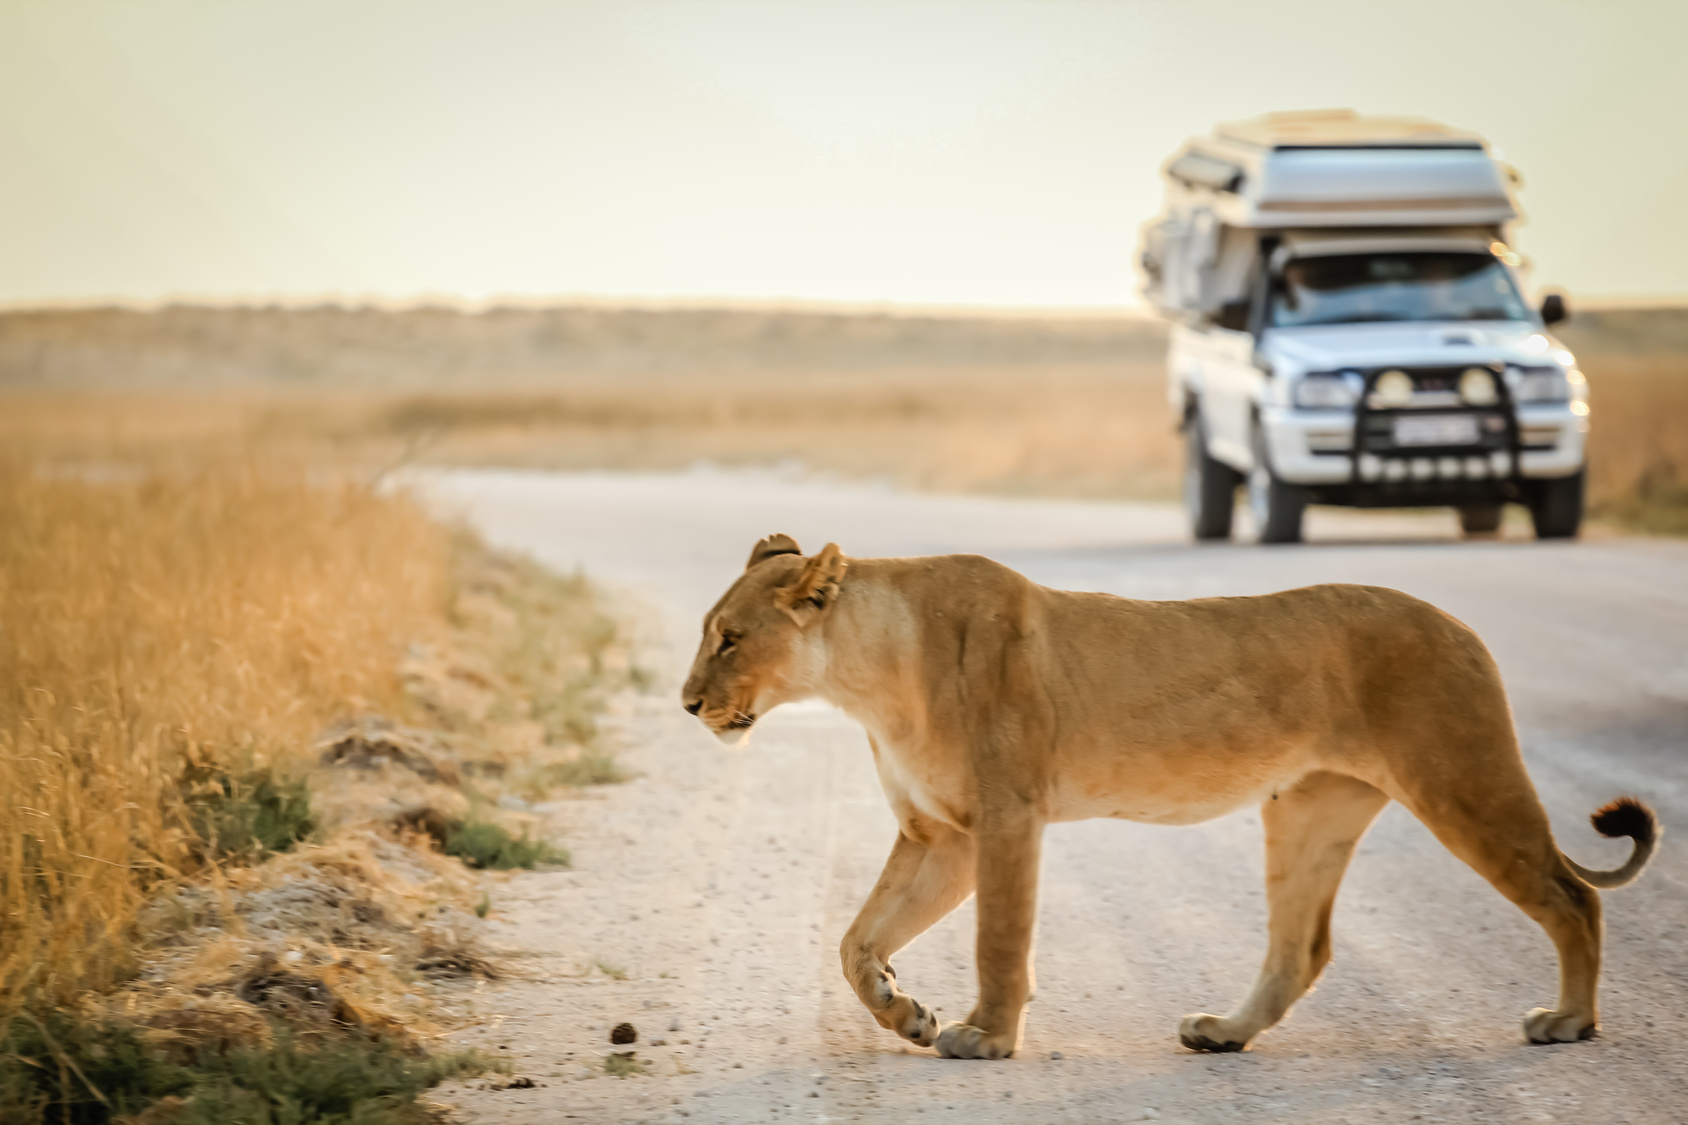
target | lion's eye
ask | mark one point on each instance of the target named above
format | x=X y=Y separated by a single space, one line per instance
x=728 y=640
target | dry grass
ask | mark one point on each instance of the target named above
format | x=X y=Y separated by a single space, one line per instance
x=1070 y=408
x=153 y=617
x=210 y=628
x=1639 y=442
x=1085 y=430
x=332 y=346
x=189 y=641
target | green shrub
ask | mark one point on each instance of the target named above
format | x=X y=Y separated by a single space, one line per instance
x=481 y=843
x=620 y=1065
x=350 y=1082
x=250 y=814
x=55 y=1071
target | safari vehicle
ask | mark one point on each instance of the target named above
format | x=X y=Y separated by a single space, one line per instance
x=1348 y=328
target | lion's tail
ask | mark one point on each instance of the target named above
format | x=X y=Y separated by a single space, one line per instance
x=1623 y=817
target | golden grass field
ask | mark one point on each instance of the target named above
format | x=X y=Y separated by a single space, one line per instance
x=185 y=617
x=1075 y=431
x=152 y=620
x=1638 y=451
x=1056 y=406
x=1049 y=432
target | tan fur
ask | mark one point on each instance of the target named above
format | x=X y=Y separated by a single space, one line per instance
x=995 y=706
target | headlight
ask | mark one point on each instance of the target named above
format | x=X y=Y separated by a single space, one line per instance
x=1393 y=388
x=1324 y=391
x=1477 y=386
x=1538 y=384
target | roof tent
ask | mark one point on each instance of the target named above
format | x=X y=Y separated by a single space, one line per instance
x=1335 y=168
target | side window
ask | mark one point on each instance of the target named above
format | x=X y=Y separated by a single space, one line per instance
x=1248 y=312
x=1233 y=315
x=1264 y=288
x=1274 y=293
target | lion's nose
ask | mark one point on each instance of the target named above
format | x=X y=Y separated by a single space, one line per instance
x=693 y=706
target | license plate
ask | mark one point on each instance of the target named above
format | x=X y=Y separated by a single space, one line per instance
x=1438 y=429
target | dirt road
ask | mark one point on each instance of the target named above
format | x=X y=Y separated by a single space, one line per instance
x=720 y=882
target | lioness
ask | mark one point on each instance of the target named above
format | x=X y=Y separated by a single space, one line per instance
x=995 y=706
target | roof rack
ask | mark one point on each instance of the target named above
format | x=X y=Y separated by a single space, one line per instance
x=1339 y=168
x=1344 y=128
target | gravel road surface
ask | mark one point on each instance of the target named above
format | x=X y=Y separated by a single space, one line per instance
x=720 y=882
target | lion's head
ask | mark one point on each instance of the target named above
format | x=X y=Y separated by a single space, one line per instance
x=760 y=647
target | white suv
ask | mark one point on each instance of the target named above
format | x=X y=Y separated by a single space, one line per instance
x=1380 y=369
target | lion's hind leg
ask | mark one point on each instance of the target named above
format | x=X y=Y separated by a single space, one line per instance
x=921 y=883
x=1502 y=831
x=1311 y=831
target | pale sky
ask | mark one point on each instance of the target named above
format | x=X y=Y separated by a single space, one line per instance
x=908 y=151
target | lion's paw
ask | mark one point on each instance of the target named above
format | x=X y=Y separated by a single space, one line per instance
x=964 y=1041
x=1544 y=1025
x=1203 y=1032
x=919 y=1025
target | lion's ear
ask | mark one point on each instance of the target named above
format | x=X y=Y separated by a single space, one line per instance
x=816 y=588
x=779 y=543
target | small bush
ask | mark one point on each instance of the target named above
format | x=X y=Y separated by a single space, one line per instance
x=624 y=1065
x=482 y=844
x=55 y=1070
x=351 y=1082
x=248 y=815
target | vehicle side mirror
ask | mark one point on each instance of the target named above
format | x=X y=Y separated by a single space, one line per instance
x=1232 y=315
x=1553 y=309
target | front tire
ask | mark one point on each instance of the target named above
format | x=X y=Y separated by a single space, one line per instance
x=1210 y=486
x=1278 y=505
x=1556 y=506
x=1480 y=519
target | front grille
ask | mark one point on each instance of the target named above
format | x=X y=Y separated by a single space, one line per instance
x=1434 y=440
x=1382 y=432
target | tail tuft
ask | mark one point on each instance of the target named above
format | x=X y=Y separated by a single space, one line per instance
x=1627 y=817
x=1623 y=817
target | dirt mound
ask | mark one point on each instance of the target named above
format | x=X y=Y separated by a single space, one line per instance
x=372 y=742
x=295 y=997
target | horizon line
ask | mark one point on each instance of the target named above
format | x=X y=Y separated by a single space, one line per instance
x=1135 y=310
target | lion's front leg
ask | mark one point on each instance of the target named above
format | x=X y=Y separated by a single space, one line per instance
x=921 y=883
x=1008 y=849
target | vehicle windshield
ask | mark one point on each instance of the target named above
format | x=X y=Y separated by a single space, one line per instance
x=1396 y=286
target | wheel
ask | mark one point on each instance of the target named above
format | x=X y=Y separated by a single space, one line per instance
x=1556 y=506
x=1210 y=487
x=1480 y=519
x=1277 y=504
